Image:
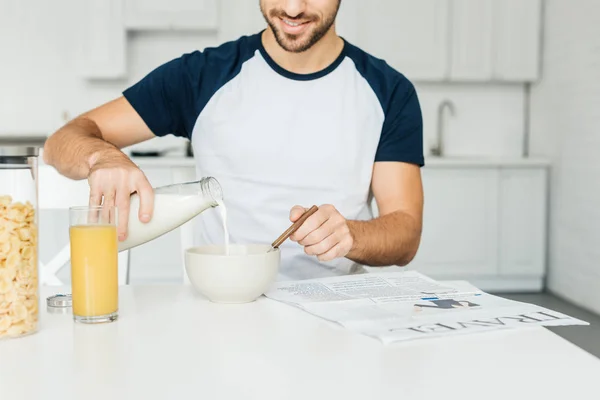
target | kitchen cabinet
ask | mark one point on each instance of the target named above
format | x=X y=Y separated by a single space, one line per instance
x=172 y=15
x=39 y=51
x=412 y=36
x=471 y=50
x=486 y=224
x=460 y=223
x=522 y=229
x=109 y=21
x=517 y=39
x=105 y=40
x=451 y=40
x=495 y=40
x=160 y=260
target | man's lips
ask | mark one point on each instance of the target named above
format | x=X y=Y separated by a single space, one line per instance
x=293 y=27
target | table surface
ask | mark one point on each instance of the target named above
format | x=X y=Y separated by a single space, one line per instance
x=171 y=343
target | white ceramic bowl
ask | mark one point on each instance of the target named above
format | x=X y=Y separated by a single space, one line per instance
x=240 y=277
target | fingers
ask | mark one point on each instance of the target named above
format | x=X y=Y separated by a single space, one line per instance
x=331 y=254
x=317 y=221
x=332 y=248
x=318 y=235
x=312 y=223
x=146 y=200
x=324 y=234
x=94 y=201
x=296 y=213
x=122 y=203
x=323 y=246
x=111 y=183
x=109 y=202
x=337 y=251
x=95 y=196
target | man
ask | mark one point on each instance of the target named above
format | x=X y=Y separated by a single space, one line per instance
x=291 y=115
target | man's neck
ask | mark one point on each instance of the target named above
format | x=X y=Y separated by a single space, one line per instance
x=315 y=59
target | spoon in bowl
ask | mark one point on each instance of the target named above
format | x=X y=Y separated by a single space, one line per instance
x=292 y=228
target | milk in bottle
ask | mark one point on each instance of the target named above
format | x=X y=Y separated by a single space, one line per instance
x=174 y=205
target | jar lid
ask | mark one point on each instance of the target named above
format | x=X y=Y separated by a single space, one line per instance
x=60 y=301
x=18 y=150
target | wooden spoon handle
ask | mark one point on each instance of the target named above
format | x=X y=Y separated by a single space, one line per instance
x=294 y=227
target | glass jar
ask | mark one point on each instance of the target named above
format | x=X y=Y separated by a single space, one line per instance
x=19 y=289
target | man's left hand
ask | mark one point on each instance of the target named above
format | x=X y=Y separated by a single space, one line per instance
x=324 y=234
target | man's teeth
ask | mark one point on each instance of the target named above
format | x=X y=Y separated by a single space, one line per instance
x=290 y=23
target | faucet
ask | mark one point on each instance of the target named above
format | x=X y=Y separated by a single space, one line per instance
x=438 y=148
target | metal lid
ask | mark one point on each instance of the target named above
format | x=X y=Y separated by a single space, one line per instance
x=18 y=151
x=60 y=301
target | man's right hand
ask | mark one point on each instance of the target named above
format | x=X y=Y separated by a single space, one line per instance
x=90 y=147
x=113 y=178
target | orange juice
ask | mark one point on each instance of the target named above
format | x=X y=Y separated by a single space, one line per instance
x=94 y=270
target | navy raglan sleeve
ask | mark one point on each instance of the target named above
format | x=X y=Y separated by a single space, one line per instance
x=165 y=98
x=402 y=133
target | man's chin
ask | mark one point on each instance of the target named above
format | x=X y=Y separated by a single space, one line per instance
x=294 y=44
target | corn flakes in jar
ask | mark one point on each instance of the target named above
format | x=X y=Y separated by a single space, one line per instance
x=19 y=286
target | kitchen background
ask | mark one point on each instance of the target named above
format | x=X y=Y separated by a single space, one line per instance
x=510 y=96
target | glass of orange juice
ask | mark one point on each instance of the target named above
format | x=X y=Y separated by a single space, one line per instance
x=94 y=263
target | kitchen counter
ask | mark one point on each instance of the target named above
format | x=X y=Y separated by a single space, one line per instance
x=165 y=161
x=508 y=162
x=172 y=343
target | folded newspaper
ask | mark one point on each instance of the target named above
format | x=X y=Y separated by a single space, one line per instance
x=407 y=305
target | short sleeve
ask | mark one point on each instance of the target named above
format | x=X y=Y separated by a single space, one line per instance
x=402 y=133
x=165 y=98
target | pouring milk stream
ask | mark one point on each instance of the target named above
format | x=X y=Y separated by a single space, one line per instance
x=174 y=205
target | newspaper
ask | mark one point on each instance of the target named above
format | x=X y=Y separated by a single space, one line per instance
x=407 y=305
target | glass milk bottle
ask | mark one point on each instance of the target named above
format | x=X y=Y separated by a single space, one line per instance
x=174 y=205
x=19 y=290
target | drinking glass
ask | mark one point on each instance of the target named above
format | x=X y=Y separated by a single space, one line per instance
x=94 y=263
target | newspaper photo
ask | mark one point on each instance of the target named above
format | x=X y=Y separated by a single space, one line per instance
x=407 y=305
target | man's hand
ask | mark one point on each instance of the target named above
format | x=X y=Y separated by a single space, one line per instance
x=392 y=238
x=90 y=147
x=113 y=178
x=324 y=234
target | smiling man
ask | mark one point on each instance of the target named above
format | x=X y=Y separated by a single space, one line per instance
x=284 y=119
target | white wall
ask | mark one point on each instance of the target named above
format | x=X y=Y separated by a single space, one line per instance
x=488 y=121
x=41 y=80
x=565 y=125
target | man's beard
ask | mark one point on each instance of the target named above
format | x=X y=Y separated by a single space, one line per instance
x=293 y=43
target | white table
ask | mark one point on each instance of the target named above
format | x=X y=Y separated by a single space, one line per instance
x=171 y=343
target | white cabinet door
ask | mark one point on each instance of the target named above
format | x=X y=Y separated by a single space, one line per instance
x=172 y=14
x=517 y=32
x=160 y=260
x=105 y=40
x=522 y=222
x=495 y=40
x=460 y=226
x=238 y=18
x=471 y=55
x=412 y=36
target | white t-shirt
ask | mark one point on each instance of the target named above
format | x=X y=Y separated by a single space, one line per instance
x=274 y=139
